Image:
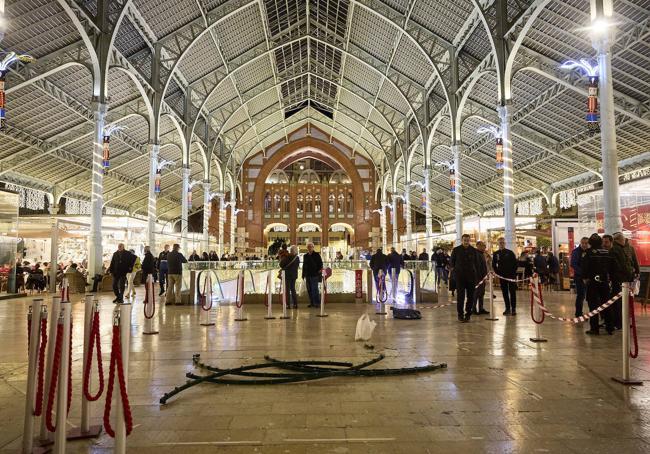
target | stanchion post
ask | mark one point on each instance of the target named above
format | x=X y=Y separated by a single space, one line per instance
x=88 y=321
x=625 y=378
x=416 y=287
x=60 y=435
x=269 y=296
x=125 y=338
x=205 y=313
x=149 y=328
x=54 y=313
x=369 y=286
x=34 y=347
x=240 y=297
x=381 y=278
x=393 y=285
x=537 y=311
x=493 y=315
x=323 y=296
x=284 y=293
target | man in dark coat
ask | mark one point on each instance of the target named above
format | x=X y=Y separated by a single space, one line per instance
x=290 y=264
x=395 y=264
x=577 y=256
x=622 y=271
x=504 y=264
x=175 y=262
x=379 y=262
x=312 y=266
x=596 y=270
x=465 y=265
x=424 y=256
x=148 y=265
x=162 y=268
x=121 y=262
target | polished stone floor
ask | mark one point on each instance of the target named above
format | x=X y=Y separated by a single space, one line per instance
x=501 y=393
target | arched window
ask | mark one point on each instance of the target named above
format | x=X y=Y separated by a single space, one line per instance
x=301 y=206
x=309 y=208
x=332 y=202
x=341 y=203
x=308 y=176
x=267 y=202
x=317 y=203
x=339 y=177
x=285 y=199
x=350 y=205
x=276 y=204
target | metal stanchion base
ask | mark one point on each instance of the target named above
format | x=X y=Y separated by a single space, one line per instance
x=492 y=319
x=149 y=333
x=269 y=318
x=381 y=313
x=77 y=434
x=206 y=324
x=625 y=382
x=538 y=339
x=283 y=317
x=241 y=319
x=322 y=315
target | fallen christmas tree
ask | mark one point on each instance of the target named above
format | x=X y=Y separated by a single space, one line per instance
x=296 y=371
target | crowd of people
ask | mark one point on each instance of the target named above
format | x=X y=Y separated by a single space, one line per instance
x=600 y=266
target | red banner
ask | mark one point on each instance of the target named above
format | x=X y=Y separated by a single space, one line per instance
x=358 y=284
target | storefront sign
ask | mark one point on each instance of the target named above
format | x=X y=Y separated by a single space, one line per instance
x=358 y=284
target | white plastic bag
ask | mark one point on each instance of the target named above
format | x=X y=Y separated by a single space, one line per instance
x=636 y=287
x=365 y=327
x=301 y=289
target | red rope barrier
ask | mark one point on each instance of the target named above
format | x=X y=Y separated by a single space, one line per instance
x=56 y=365
x=534 y=282
x=94 y=339
x=29 y=328
x=634 y=351
x=116 y=362
x=70 y=369
x=38 y=407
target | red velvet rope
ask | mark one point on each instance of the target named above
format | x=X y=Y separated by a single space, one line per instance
x=56 y=365
x=38 y=407
x=532 y=301
x=29 y=329
x=147 y=294
x=70 y=369
x=634 y=350
x=116 y=362
x=94 y=339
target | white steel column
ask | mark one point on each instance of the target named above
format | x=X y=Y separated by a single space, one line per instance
x=393 y=218
x=184 y=207
x=458 y=205
x=97 y=194
x=383 y=226
x=428 y=212
x=222 y=221
x=505 y=114
x=233 y=225
x=407 y=218
x=207 y=211
x=602 y=39
x=152 y=199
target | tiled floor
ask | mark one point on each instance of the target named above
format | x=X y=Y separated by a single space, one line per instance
x=501 y=393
